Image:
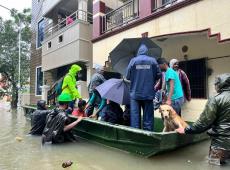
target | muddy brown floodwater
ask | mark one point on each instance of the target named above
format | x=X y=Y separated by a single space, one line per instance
x=20 y=151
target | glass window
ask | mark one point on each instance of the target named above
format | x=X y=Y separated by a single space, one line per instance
x=40 y=35
x=39 y=81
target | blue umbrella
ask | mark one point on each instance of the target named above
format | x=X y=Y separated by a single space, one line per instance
x=116 y=90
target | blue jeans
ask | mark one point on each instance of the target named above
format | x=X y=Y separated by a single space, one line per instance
x=176 y=104
x=71 y=104
x=148 y=113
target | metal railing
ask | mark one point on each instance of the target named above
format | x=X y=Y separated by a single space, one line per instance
x=79 y=15
x=161 y=4
x=119 y=16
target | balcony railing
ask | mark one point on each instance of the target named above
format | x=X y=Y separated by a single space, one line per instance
x=161 y=4
x=79 y=15
x=120 y=16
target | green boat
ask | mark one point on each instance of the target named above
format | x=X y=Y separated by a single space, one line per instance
x=137 y=141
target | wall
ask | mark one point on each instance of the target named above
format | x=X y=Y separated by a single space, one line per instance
x=193 y=17
x=198 y=16
x=76 y=46
x=35 y=59
x=34 y=62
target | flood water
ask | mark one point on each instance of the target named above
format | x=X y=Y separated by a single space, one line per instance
x=30 y=155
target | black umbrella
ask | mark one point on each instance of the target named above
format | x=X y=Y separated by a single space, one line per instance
x=127 y=49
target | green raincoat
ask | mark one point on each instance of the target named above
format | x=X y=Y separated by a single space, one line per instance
x=69 y=82
x=216 y=116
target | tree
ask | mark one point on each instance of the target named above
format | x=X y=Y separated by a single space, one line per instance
x=9 y=47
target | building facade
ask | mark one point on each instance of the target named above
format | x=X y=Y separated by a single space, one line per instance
x=61 y=36
x=194 y=31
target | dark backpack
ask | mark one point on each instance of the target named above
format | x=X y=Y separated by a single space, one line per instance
x=58 y=87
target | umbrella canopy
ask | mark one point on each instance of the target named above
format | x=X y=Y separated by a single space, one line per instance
x=127 y=49
x=116 y=90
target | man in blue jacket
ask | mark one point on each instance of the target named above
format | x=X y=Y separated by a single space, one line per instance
x=143 y=72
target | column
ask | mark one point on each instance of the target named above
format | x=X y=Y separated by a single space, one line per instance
x=82 y=9
x=145 y=8
x=98 y=13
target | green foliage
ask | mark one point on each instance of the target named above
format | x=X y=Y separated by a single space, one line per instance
x=9 y=48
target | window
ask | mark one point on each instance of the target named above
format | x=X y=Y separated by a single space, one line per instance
x=165 y=2
x=38 y=81
x=60 y=38
x=40 y=34
x=197 y=75
x=49 y=44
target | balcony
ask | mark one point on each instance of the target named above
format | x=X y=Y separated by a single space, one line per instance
x=135 y=12
x=120 y=16
x=50 y=8
x=68 y=42
x=78 y=16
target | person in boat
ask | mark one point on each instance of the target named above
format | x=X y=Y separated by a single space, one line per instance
x=143 y=72
x=80 y=110
x=92 y=103
x=216 y=119
x=112 y=113
x=58 y=126
x=69 y=85
x=174 y=64
x=126 y=115
x=174 y=90
x=38 y=118
x=96 y=80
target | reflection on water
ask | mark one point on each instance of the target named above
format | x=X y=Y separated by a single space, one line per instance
x=30 y=155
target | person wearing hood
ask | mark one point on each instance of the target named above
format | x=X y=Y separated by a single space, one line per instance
x=143 y=72
x=96 y=80
x=38 y=118
x=216 y=119
x=69 y=84
x=174 y=64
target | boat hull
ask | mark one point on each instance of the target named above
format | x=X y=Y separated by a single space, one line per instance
x=137 y=141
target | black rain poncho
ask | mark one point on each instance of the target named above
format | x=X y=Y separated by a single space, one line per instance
x=54 y=129
x=216 y=116
x=38 y=118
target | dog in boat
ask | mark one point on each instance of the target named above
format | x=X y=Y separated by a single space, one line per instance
x=170 y=118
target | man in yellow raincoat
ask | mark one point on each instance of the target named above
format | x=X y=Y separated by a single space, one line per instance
x=69 y=84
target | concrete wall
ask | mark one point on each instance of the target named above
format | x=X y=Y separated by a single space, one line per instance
x=76 y=46
x=199 y=46
x=35 y=59
x=205 y=14
x=34 y=62
x=201 y=15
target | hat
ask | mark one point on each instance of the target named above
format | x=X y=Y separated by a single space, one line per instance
x=98 y=67
x=172 y=62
